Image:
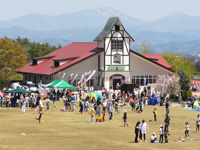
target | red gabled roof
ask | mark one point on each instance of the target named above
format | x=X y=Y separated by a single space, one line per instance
x=84 y=50
x=157 y=58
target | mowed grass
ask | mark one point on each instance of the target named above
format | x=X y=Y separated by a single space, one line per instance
x=70 y=130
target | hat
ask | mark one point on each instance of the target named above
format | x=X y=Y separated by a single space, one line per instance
x=153 y=133
x=161 y=125
x=124 y=110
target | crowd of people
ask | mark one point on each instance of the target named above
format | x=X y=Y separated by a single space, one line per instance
x=110 y=103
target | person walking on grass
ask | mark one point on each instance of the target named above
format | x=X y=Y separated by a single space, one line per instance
x=166 y=129
x=143 y=127
x=41 y=106
x=92 y=112
x=110 y=110
x=125 y=118
x=24 y=106
x=137 y=130
x=197 y=123
x=161 y=134
x=155 y=113
x=187 y=135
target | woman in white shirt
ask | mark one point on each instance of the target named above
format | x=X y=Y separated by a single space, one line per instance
x=144 y=127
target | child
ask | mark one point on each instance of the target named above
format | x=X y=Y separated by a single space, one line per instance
x=92 y=113
x=116 y=108
x=155 y=113
x=187 y=130
x=125 y=118
x=161 y=134
x=23 y=106
x=47 y=100
x=81 y=106
x=153 y=138
x=103 y=117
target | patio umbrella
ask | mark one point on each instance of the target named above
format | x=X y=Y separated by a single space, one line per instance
x=18 y=91
x=1 y=93
x=94 y=94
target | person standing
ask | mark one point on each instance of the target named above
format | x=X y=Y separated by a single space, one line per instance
x=137 y=130
x=166 y=131
x=81 y=103
x=73 y=102
x=125 y=118
x=92 y=113
x=155 y=114
x=47 y=101
x=187 y=135
x=23 y=106
x=167 y=105
x=161 y=134
x=110 y=110
x=64 y=101
x=197 y=123
x=41 y=106
x=143 y=127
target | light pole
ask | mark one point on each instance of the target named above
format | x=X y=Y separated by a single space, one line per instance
x=179 y=73
x=53 y=71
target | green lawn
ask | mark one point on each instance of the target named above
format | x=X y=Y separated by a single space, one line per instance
x=69 y=130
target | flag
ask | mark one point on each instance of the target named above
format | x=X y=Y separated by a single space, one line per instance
x=90 y=76
x=70 y=77
x=63 y=76
x=74 y=78
x=58 y=75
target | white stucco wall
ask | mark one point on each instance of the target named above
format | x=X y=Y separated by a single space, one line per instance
x=140 y=66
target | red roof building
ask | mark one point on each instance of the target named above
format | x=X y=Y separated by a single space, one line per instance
x=110 y=56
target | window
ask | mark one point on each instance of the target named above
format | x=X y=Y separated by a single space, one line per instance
x=56 y=64
x=117 y=59
x=34 y=62
x=116 y=44
x=99 y=62
x=117 y=27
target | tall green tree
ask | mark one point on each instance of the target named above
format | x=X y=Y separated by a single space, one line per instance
x=177 y=62
x=11 y=58
x=145 y=48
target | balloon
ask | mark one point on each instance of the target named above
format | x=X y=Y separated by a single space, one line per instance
x=42 y=122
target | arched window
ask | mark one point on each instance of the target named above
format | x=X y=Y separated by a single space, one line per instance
x=117 y=59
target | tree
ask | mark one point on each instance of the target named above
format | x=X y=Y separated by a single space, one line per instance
x=197 y=67
x=11 y=58
x=145 y=48
x=177 y=62
x=185 y=83
x=167 y=84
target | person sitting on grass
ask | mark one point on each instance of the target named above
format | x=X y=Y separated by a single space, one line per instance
x=153 y=138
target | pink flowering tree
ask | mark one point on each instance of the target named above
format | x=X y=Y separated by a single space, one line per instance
x=167 y=84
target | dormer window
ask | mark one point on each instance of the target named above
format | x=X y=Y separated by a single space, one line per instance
x=56 y=64
x=117 y=59
x=117 y=28
x=34 y=62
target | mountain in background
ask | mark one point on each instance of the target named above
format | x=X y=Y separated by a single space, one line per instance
x=175 y=32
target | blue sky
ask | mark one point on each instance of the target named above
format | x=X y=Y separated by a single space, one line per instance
x=142 y=9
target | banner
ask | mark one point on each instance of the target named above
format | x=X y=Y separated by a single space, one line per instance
x=74 y=78
x=58 y=75
x=70 y=77
x=90 y=76
x=63 y=76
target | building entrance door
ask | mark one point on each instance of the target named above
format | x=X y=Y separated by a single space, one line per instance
x=116 y=80
x=116 y=83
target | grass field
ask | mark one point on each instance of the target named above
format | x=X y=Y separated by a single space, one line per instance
x=69 y=130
